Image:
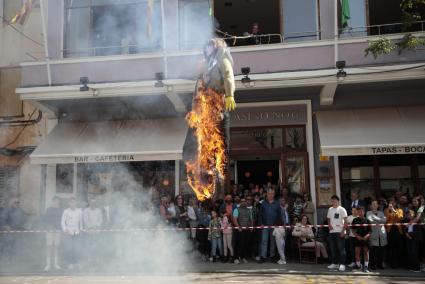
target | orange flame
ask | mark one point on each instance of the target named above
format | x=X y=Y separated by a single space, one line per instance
x=209 y=164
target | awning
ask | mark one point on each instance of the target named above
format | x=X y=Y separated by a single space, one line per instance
x=113 y=141
x=381 y=131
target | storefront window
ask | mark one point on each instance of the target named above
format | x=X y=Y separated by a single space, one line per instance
x=359 y=179
x=65 y=178
x=395 y=178
x=142 y=179
x=295 y=138
x=421 y=170
x=295 y=174
x=257 y=139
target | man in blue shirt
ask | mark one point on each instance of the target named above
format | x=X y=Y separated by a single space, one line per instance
x=270 y=215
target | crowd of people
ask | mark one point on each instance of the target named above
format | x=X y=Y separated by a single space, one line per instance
x=261 y=223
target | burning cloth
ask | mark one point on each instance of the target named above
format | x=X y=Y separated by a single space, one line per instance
x=209 y=119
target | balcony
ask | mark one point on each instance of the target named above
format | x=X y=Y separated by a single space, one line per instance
x=110 y=53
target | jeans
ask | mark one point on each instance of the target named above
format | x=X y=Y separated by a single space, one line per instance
x=216 y=244
x=337 y=245
x=228 y=244
x=266 y=239
x=72 y=248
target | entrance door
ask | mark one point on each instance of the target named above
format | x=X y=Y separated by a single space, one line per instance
x=258 y=172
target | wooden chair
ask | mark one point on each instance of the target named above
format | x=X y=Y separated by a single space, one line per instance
x=306 y=254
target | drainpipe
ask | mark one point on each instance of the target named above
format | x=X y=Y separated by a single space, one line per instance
x=336 y=33
x=164 y=42
x=46 y=47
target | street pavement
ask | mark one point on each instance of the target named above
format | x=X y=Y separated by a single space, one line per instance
x=209 y=278
x=202 y=272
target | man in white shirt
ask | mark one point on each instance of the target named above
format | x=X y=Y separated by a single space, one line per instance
x=72 y=224
x=337 y=221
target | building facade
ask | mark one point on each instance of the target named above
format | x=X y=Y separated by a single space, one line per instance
x=22 y=125
x=300 y=122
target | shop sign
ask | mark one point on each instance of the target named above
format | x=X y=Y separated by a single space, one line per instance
x=268 y=116
x=383 y=150
x=398 y=150
x=104 y=159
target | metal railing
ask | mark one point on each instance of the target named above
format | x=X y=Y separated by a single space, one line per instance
x=264 y=39
x=384 y=29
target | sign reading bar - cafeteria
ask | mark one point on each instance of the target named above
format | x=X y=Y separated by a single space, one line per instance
x=383 y=150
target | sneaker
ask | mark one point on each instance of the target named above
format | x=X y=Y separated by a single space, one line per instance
x=352 y=265
x=244 y=260
x=236 y=261
x=261 y=260
x=211 y=259
x=415 y=271
x=57 y=267
x=358 y=267
x=281 y=262
x=341 y=268
x=333 y=266
x=366 y=270
x=47 y=268
x=257 y=258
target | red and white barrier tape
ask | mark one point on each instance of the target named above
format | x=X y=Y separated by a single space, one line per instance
x=169 y=228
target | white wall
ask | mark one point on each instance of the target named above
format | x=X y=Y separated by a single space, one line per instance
x=14 y=47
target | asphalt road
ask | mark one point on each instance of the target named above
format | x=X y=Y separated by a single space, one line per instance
x=208 y=278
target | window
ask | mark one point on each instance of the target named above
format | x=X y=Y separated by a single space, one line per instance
x=359 y=179
x=257 y=139
x=106 y=27
x=295 y=138
x=300 y=20
x=9 y=183
x=388 y=20
x=195 y=23
x=358 y=21
x=65 y=178
x=10 y=8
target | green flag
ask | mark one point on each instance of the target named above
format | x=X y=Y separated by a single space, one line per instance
x=345 y=13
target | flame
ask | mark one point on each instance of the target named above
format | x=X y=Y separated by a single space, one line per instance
x=210 y=161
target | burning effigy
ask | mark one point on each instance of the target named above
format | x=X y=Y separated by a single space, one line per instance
x=209 y=118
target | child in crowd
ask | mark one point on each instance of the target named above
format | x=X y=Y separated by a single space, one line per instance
x=297 y=210
x=227 y=236
x=362 y=234
x=214 y=235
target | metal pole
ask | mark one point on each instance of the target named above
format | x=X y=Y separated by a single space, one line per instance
x=164 y=41
x=46 y=47
x=176 y=177
x=336 y=33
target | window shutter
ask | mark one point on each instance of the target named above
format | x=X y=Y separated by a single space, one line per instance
x=8 y=182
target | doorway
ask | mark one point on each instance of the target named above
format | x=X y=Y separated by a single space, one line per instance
x=258 y=172
x=231 y=20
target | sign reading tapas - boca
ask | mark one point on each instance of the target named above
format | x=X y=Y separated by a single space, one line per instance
x=379 y=150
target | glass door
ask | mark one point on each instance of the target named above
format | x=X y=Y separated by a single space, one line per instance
x=295 y=173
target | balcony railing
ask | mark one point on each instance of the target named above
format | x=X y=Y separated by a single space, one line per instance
x=265 y=39
x=384 y=29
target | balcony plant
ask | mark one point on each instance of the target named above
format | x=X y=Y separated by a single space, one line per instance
x=410 y=14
